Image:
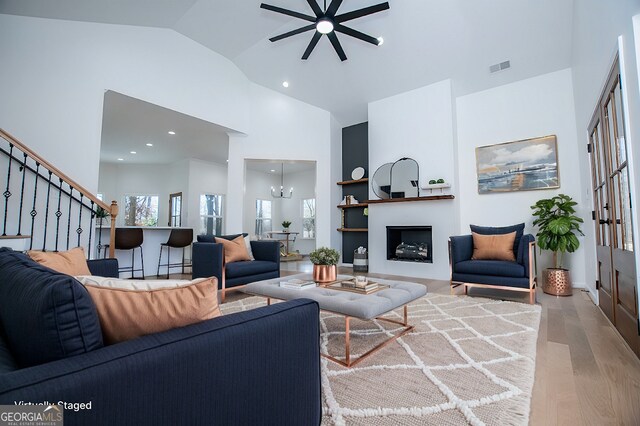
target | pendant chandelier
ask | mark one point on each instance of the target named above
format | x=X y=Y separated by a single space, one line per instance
x=281 y=194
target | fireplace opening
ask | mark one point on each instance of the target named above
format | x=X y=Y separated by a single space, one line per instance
x=409 y=244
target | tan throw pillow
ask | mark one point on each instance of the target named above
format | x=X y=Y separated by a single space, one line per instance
x=127 y=314
x=234 y=250
x=493 y=247
x=72 y=262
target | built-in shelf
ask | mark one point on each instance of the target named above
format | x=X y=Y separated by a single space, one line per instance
x=351 y=182
x=351 y=206
x=406 y=200
x=352 y=230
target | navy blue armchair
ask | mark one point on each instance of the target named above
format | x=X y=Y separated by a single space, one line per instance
x=208 y=261
x=506 y=275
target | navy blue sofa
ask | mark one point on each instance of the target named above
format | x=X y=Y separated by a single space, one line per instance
x=208 y=261
x=258 y=367
x=506 y=275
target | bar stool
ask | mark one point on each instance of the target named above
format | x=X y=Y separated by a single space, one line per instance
x=129 y=239
x=178 y=238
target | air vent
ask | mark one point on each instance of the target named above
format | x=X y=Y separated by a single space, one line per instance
x=500 y=67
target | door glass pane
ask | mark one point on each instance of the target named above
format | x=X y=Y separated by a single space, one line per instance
x=626 y=214
x=600 y=153
x=622 y=151
x=611 y=135
x=604 y=231
x=594 y=158
x=615 y=212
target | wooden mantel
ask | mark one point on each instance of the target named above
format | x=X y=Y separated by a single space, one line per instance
x=412 y=199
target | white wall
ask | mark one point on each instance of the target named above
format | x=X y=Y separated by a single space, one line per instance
x=258 y=187
x=191 y=177
x=56 y=73
x=538 y=106
x=336 y=176
x=116 y=181
x=417 y=124
x=600 y=29
x=204 y=178
x=304 y=186
x=53 y=90
x=283 y=129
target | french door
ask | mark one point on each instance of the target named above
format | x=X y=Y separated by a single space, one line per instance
x=613 y=214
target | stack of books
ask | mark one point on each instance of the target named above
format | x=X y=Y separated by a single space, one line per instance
x=297 y=284
x=351 y=285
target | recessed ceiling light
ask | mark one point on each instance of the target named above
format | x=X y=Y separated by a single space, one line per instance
x=380 y=41
x=227 y=161
x=285 y=84
x=149 y=144
x=120 y=159
x=273 y=171
x=133 y=152
x=171 y=132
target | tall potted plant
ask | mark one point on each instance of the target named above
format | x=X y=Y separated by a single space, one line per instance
x=324 y=261
x=558 y=225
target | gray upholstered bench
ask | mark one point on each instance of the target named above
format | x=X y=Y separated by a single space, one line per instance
x=351 y=305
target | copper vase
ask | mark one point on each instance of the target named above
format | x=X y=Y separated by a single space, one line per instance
x=325 y=273
x=557 y=282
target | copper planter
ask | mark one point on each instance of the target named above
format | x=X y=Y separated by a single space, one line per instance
x=325 y=273
x=557 y=282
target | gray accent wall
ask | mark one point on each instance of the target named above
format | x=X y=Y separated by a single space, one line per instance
x=355 y=153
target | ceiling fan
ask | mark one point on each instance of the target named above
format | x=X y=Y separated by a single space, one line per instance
x=327 y=22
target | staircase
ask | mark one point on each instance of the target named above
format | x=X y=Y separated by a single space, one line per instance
x=44 y=209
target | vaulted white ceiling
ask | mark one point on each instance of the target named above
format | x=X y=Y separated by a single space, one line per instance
x=425 y=41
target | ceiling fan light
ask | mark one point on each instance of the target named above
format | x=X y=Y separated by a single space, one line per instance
x=324 y=26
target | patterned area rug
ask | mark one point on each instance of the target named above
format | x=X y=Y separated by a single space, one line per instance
x=468 y=361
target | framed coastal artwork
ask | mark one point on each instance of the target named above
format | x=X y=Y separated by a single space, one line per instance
x=524 y=165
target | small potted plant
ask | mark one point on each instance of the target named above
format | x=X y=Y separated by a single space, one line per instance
x=558 y=225
x=101 y=214
x=285 y=225
x=324 y=261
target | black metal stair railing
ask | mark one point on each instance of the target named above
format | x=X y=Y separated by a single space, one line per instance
x=62 y=214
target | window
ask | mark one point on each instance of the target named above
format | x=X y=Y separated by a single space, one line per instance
x=141 y=210
x=309 y=218
x=211 y=214
x=175 y=209
x=263 y=217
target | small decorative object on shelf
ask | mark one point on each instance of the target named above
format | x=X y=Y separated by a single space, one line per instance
x=285 y=225
x=324 y=261
x=436 y=184
x=357 y=173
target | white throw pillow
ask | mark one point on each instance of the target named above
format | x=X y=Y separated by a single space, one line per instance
x=247 y=241
x=127 y=284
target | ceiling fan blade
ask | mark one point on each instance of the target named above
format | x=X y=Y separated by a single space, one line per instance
x=288 y=12
x=357 y=34
x=316 y=9
x=333 y=8
x=336 y=45
x=312 y=45
x=362 y=12
x=294 y=32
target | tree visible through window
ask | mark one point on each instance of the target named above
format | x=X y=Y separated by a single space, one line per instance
x=263 y=216
x=211 y=214
x=141 y=210
x=309 y=218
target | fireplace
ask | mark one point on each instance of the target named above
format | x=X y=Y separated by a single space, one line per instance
x=409 y=244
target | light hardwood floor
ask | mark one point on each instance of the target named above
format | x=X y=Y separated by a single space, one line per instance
x=585 y=373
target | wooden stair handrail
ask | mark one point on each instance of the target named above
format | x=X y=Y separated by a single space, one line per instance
x=112 y=208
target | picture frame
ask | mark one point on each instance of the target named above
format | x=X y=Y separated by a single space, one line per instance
x=523 y=165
